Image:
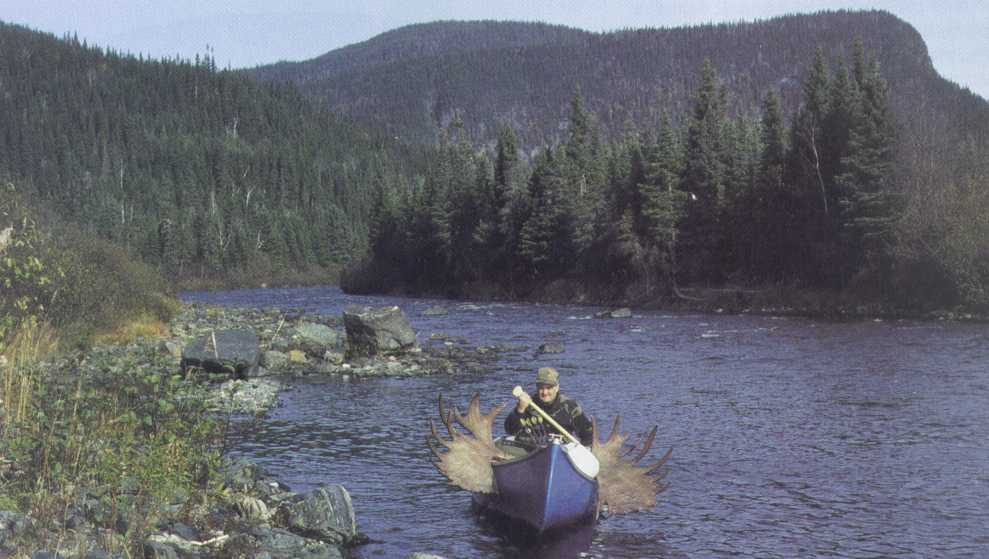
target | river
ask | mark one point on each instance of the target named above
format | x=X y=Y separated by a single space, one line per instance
x=791 y=437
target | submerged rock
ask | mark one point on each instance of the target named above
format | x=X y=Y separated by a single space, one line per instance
x=623 y=312
x=550 y=347
x=435 y=311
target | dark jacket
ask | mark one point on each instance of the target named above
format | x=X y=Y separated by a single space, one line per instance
x=564 y=410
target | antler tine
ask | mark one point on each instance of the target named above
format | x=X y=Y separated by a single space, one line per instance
x=435 y=434
x=474 y=407
x=494 y=412
x=646 y=445
x=431 y=443
x=616 y=431
x=447 y=419
x=460 y=418
x=654 y=469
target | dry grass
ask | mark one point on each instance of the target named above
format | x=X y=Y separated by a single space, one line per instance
x=144 y=326
x=32 y=343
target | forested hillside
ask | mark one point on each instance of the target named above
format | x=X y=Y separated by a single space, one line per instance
x=835 y=196
x=203 y=173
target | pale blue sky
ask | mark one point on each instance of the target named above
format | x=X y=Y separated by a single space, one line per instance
x=250 y=32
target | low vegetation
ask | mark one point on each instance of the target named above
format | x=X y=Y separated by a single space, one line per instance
x=112 y=435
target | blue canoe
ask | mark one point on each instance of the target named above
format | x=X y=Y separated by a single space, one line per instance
x=543 y=489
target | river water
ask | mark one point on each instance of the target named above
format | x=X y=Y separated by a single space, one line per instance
x=791 y=437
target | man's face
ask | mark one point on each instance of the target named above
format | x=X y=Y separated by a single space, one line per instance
x=547 y=392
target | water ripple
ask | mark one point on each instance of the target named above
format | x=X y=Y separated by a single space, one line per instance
x=792 y=438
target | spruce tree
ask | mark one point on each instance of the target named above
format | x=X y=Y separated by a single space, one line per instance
x=704 y=182
x=868 y=199
x=663 y=206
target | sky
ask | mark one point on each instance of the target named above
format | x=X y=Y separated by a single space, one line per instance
x=246 y=33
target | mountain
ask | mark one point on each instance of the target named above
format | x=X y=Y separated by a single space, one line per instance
x=411 y=81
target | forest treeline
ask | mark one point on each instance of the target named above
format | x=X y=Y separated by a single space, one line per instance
x=206 y=174
x=827 y=197
x=202 y=173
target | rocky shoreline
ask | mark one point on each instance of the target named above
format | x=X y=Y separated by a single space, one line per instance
x=292 y=346
x=254 y=514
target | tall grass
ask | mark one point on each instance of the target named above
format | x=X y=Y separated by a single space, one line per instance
x=30 y=344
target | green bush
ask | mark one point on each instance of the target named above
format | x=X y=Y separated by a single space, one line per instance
x=29 y=271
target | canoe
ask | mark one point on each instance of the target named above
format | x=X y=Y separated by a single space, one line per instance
x=544 y=489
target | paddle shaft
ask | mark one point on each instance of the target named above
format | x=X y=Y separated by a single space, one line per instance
x=518 y=391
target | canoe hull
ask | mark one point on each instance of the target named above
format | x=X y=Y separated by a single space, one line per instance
x=543 y=490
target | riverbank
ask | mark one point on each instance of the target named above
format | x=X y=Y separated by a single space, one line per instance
x=117 y=451
x=769 y=300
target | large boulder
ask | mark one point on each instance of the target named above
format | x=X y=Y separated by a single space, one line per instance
x=325 y=514
x=375 y=330
x=232 y=352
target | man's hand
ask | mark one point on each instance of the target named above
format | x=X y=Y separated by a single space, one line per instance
x=524 y=401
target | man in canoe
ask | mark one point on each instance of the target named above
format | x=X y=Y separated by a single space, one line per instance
x=526 y=424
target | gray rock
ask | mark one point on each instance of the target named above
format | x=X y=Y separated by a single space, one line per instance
x=245 y=396
x=167 y=347
x=158 y=550
x=281 y=544
x=168 y=546
x=249 y=477
x=274 y=359
x=333 y=357
x=551 y=347
x=231 y=352
x=12 y=524
x=435 y=311
x=623 y=312
x=371 y=330
x=326 y=514
x=424 y=556
x=317 y=339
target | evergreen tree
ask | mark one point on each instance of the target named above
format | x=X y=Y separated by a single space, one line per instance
x=704 y=181
x=663 y=206
x=867 y=183
x=777 y=233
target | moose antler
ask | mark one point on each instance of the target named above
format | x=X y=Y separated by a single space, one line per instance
x=622 y=484
x=467 y=462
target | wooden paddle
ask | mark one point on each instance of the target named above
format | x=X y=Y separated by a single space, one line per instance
x=518 y=392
